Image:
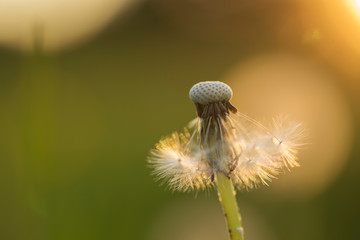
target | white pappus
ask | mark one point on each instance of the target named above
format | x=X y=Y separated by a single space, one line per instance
x=223 y=140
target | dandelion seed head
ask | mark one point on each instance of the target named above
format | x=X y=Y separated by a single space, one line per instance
x=222 y=140
x=210 y=92
x=212 y=99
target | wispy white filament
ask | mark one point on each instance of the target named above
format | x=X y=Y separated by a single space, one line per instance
x=172 y=163
x=247 y=152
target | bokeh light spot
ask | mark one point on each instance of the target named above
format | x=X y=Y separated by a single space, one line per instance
x=57 y=24
x=273 y=84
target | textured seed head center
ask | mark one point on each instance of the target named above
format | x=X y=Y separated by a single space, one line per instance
x=210 y=92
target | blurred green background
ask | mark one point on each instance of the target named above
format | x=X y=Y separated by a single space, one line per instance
x=88 y=88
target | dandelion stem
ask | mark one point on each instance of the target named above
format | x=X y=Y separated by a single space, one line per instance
x=227 y=199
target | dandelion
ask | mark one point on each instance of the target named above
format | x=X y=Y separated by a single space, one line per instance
x=225 y=148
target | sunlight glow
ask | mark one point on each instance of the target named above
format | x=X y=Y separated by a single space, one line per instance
x=355 y=7
x=357 y=4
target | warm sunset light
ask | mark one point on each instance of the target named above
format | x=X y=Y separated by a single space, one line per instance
x=357 y=4
x=355 y=7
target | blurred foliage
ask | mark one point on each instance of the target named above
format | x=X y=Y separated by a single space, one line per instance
x=77 y=125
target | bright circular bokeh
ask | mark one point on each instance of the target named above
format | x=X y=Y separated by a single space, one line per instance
x=55 y=24
x=268 y=85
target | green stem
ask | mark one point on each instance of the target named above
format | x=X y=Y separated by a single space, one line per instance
x=228 y=201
